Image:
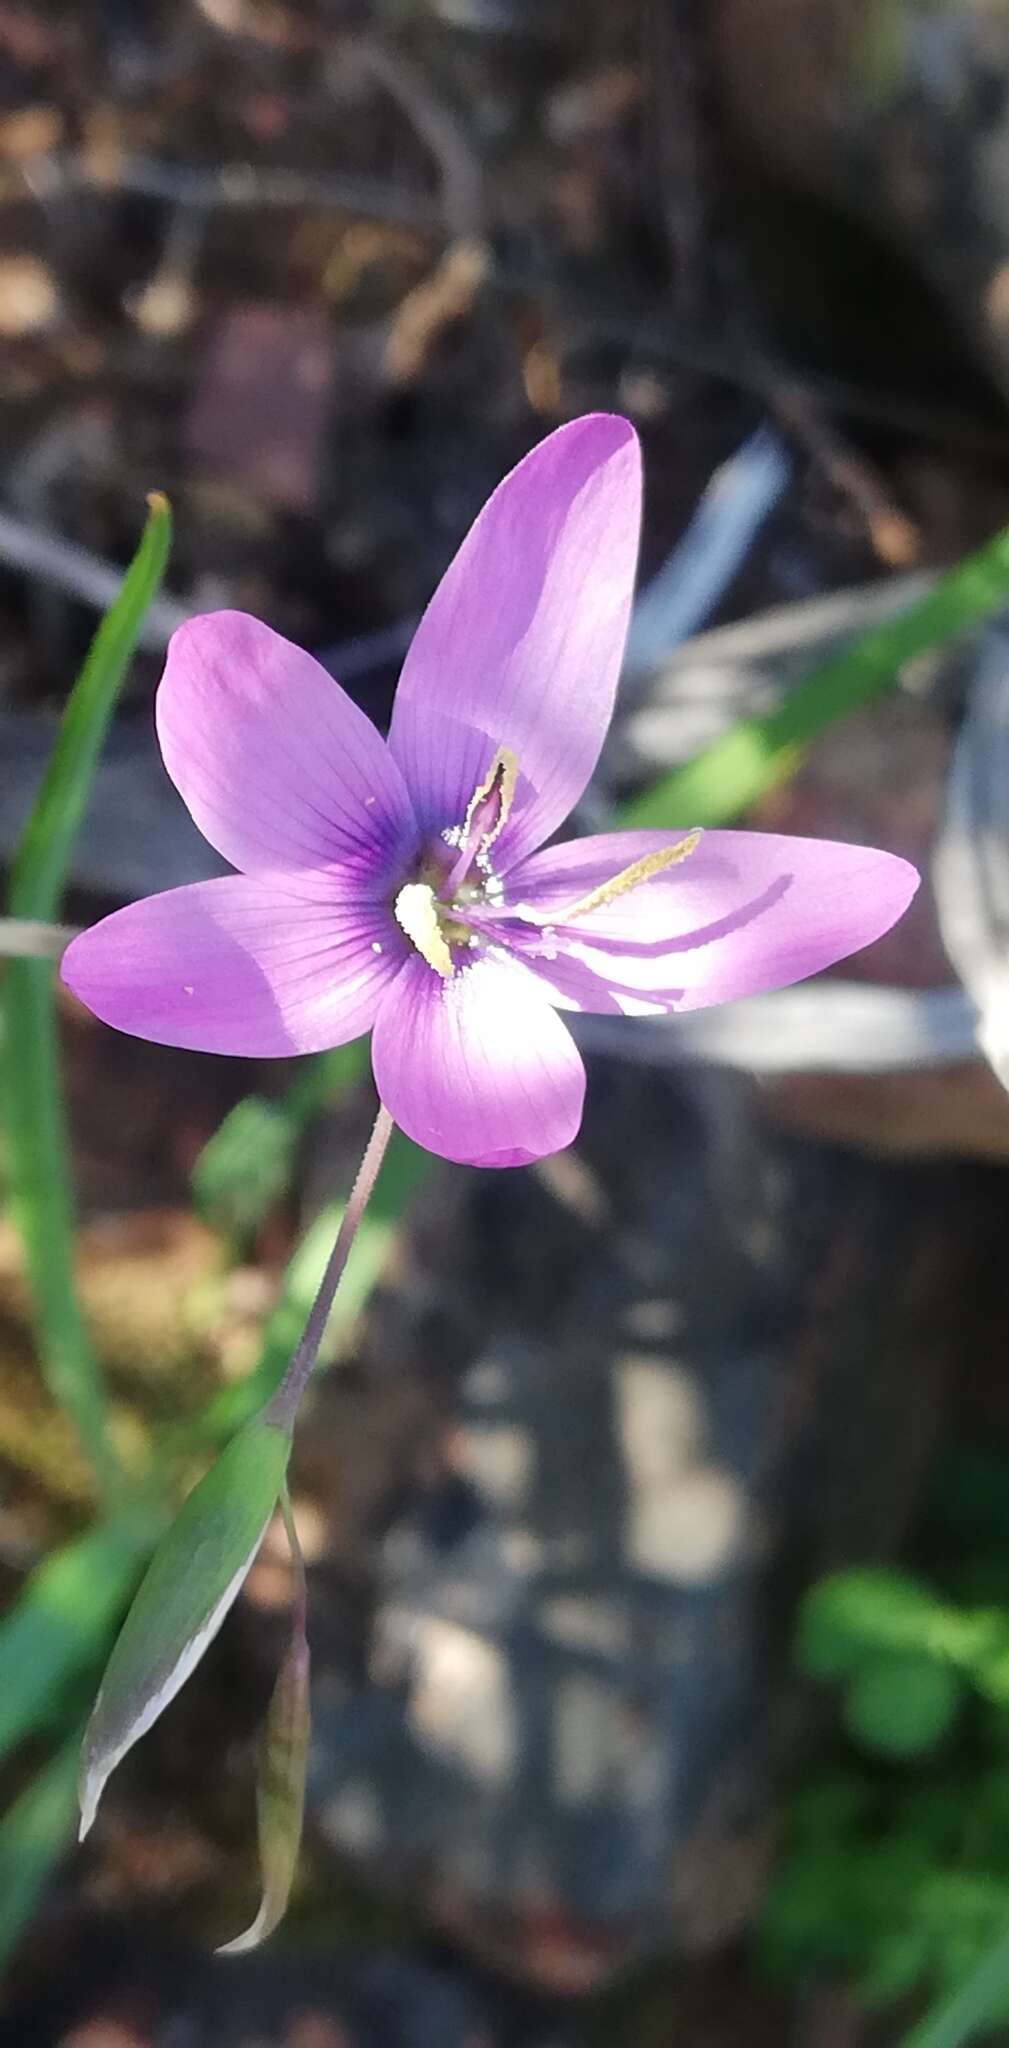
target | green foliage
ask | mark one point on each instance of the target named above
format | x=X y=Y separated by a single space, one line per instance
x=197 y=1571
x=899 y=1648
x=725 y=778
x=42 y=861
x=55 y=1639
x=847 y=1617
x=37 y=1148
x=897 y=1887
x=901 y=1705
x=65 y=1616
x=248 y=1164
x=59 y=1633
x=899 y=1878
x=974 y=2007
x=33 y=1833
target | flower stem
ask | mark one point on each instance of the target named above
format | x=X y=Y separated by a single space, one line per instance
x=283 y=1408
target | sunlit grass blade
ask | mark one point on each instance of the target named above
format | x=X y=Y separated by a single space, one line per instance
x=403 y=1174
x=967 y=2014
x=43 y=858
x=34 y=1834
x=41 y=1204
x=37 y=1139
x=63 y=1620
x=249 y=1163
x=758 y=752
x=283 y=1764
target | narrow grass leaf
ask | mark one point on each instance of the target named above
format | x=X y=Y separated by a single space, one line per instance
x=37 y=1149
x=34 y=1834
x=759 y=752
x=191 y=1582
x=283 y=1763
x=968 y=2013
x=43 y=858
x=64 y=1617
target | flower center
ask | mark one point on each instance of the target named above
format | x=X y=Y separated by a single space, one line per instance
x=437 y=911
x=432 y=909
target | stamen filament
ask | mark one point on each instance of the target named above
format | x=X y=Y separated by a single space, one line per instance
x=630 y=878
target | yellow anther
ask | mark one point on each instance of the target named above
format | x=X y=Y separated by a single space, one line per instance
x=629 y=878
x=416 y=913
x=499 y=781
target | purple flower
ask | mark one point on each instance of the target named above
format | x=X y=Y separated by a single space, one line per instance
x=400 y=888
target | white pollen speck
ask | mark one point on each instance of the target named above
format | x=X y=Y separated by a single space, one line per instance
x=452 y=835
x=376 y=945
x=187 y=988
x=370 y=800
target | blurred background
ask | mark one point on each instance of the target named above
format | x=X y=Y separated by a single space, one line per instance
x=655 y=1501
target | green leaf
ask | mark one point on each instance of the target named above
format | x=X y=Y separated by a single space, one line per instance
x=902 y=1705
x=33 y=1836
x=849 y=1615
x=64 y=1616
x=900 y=1963
x=832 y=1807
x=249 y=1162
x=963 y=2015
x=191 y=1582
x=37 y=1138
x=283 y=1765
x=990 y=1668
x=735 y=770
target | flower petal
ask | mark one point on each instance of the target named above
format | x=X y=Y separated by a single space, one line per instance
x=277 y=766
x=522 y=642
x=261 y=966
x=478 y=1069
x=746 y=911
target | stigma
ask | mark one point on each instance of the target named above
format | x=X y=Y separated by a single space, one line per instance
x=486 y=817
